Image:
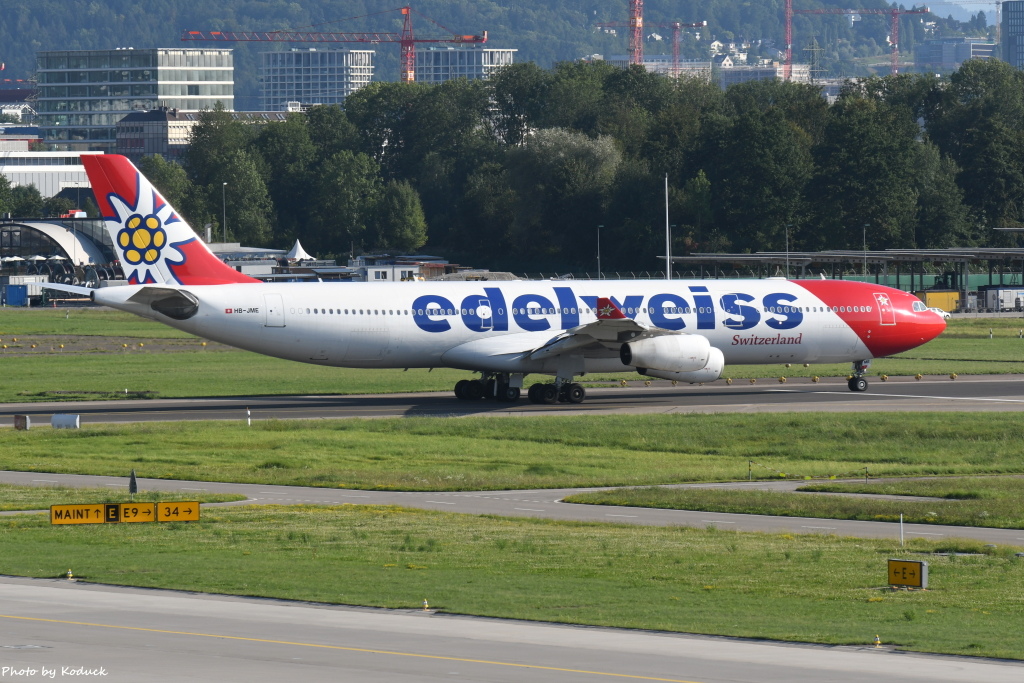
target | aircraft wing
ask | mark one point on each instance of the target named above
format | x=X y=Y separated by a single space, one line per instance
x=611 y=329
x=599 y=339
x=71 y=289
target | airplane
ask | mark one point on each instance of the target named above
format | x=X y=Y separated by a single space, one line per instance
x=681 y=330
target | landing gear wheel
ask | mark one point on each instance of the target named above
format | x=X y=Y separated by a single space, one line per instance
x=460 y=389
x=575 y=393
x=549 y=394
x=533 y=393
x=508 y=394
x=474 y=390
x=857 y=384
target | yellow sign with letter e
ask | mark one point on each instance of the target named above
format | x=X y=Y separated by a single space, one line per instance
x=908 y=573
x=102 y=513
x=137 y=512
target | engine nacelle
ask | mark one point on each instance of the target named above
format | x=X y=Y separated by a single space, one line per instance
x=670 y=353
x=709 y=373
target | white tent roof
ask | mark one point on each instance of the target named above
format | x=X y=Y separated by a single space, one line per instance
x=298 y=253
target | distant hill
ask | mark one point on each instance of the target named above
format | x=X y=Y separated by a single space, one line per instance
x=544 y=31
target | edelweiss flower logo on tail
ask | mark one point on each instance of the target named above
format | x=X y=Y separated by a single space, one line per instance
x=143 y=240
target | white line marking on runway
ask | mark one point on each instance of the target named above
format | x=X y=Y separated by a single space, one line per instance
x=716 y=521
x=185 y=488
x=52 y=481
x=923 y=533
x=346 y=495
x=115 y=484
x=830 y=528
x=620 y=515
x=944 y=398
x=528 y=509
x=438 y=502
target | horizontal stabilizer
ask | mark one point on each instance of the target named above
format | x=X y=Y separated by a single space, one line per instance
x=71 y=289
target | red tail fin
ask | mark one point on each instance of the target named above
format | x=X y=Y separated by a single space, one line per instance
x=152 y=241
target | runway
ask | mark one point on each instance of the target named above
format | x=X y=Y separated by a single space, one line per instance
x=990 y=393
x=126 y=635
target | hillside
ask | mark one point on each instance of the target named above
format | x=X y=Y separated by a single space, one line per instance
x=544 y=32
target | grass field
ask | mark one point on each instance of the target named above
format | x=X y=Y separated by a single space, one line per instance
x=807 y=588
x=482 y=453
x=704 y=581
x=107 y=369
x=982 y=502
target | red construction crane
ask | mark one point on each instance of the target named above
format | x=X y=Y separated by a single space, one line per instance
x=405 y=38
x=636 y=30
x=894 y=29
x=636 y=33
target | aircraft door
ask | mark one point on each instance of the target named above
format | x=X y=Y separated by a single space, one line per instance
x=275 y=310
x=886 y=311
x=486 y=314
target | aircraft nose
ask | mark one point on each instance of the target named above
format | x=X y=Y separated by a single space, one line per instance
x=930 y=325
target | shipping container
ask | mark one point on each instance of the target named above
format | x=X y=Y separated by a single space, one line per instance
x=1002 y=297
x=946 y=299
x=16 y=295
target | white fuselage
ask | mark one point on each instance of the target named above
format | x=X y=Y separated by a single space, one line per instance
x=441 y=324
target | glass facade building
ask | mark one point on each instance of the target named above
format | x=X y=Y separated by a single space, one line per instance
x=84 y=93
x=437 y=64
x=1012 y=32
x=312 y=76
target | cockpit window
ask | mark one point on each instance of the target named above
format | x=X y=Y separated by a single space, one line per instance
x=919 y=307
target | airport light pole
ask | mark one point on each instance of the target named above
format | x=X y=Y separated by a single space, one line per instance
x=865 y=268
x=788 y=226
x=599 y=276
x=224 y=209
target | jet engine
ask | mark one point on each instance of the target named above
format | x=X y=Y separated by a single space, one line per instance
x=709 y=373
x=670 y=353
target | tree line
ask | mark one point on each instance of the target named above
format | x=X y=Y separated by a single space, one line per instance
x=521 y=172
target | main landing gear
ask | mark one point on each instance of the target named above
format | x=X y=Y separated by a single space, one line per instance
x=507 y=388
x=553 y=393
x=500 y=387
x=857 y=381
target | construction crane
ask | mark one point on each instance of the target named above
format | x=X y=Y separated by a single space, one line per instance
x=894 y=30
x=636 y=33
x=406 y=38
x=636 y=30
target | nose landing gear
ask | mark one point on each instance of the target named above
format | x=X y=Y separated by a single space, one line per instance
x=857 y=381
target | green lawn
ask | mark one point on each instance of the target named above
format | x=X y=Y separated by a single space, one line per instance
x=971 y=501
x=89 y=321
x=485 y=453
x=692 y=580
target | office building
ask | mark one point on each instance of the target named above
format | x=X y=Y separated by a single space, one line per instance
x=1012 y=31
x=168 y=132
x=437 y=64
x=947 y=54
x=312 y=76
x=84 y=93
